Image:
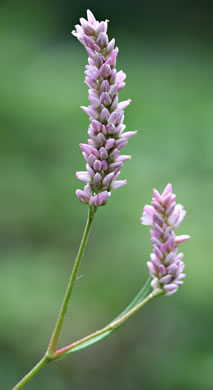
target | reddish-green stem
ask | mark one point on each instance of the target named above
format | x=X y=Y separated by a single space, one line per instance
x=113 y=325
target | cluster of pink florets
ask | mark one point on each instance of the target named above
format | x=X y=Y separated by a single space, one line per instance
x=166 y=265
x=106 y=114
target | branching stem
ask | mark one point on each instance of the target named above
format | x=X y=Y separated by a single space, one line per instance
x=113 y=325
x=52 y=353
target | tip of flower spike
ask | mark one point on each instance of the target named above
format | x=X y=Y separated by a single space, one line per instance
x=167 y=190
x=90 y=17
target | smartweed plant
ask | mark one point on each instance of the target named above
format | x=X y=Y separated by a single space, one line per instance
x=102 y=154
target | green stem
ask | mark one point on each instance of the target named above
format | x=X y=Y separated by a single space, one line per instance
x=113 y=325
x=31 y=374
x=56 y=332
x=51 y=352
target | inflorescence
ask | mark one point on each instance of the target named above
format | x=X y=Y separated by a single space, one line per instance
x=166 y=265
x=106 y=114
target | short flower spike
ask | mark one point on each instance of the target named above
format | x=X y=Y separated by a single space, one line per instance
x=166 y=265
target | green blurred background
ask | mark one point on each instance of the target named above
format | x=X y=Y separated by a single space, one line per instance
x=166 y=51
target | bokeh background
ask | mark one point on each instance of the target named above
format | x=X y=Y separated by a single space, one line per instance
x=166 y=51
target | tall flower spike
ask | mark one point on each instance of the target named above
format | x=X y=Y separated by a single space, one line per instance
x=166 y=265
x=106 y=114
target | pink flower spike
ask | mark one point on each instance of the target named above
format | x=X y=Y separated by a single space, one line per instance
x=106 y=114
x=165 y=260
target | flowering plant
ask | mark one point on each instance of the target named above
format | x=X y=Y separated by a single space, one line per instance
x=107 y=137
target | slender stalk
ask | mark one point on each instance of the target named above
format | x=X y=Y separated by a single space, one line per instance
x=51 y=351
x=113 y=325
x=56 y=332
x=31 y=374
